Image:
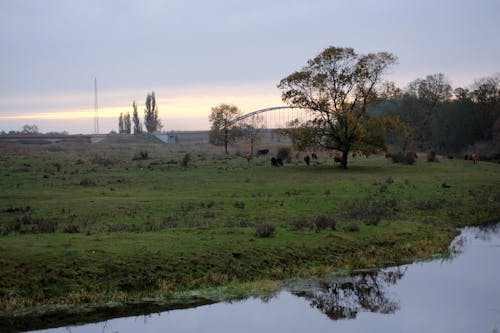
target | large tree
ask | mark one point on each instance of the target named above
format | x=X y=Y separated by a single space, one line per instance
x=151 y=120
x=337 y=86
x=224 y=130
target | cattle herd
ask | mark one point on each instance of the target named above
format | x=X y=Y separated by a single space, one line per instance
x=337 y=158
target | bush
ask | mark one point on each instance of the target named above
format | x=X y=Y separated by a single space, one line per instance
x=29 y=224
x=301 y=224
x=185 y=160
x=71 y=229
x=284 y=153
x=373 y=220
x=239 y=204
x=322 y=222
x=265 y=231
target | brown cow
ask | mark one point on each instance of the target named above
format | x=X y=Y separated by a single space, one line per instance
x=249 y=158
x=474 y=157
x=337 y=158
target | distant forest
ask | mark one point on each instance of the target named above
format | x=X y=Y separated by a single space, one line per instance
x=442 y=119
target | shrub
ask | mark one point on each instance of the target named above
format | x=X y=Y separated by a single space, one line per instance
x=301 y=224
x=322 y=222
x=71 y=229
x=29 y=224
x=265 y=231
x=185 y=160
x=284 y=153
x=169 y=222
x=373 y=220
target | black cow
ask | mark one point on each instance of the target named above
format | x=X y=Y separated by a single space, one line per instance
x=262 y=152
x=314 y=156
x=307 y=159
x=276 y=162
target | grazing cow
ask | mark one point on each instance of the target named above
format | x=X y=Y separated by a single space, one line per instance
x=412 y=154
x=314 y=156
x=337 y=159
x=262 y=152
x=249 y=157
x=276 y=162
x=474 y=157
x=307 y=159
x=388 y=155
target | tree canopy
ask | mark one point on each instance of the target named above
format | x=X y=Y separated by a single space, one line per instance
x=337 y=86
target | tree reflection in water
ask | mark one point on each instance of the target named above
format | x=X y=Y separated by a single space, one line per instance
x=363 y=291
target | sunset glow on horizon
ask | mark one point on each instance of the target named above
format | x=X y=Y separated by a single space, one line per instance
x=185 y=109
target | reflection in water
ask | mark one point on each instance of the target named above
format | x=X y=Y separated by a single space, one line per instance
x=364 y=291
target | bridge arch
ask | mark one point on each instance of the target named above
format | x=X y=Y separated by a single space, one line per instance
x=277 y=116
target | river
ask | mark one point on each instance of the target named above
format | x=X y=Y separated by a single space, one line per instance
x=460 y=293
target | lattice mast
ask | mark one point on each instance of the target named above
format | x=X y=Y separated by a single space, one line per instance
x=96 y=109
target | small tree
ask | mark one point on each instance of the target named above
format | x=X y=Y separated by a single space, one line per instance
x=135 y=119
x=151 y=120
x=224 y=130
x=251 y=130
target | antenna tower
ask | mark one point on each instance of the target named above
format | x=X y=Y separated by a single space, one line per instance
x=96 y=109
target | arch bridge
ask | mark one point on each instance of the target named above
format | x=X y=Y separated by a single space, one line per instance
x=274 y=117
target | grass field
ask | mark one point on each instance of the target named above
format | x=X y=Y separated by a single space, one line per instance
x=91 y=224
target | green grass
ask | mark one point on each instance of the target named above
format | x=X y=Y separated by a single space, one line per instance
x=152 y=228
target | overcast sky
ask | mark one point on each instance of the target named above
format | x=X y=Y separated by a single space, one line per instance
x=197 y=54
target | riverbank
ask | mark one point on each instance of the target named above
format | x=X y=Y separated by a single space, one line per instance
x=87 y=229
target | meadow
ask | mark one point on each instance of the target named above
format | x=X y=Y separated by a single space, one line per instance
x=120 y=221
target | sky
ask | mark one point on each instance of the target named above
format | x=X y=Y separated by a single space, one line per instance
x=197 y=54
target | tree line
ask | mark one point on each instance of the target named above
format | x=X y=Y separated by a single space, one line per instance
x=446 y=120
